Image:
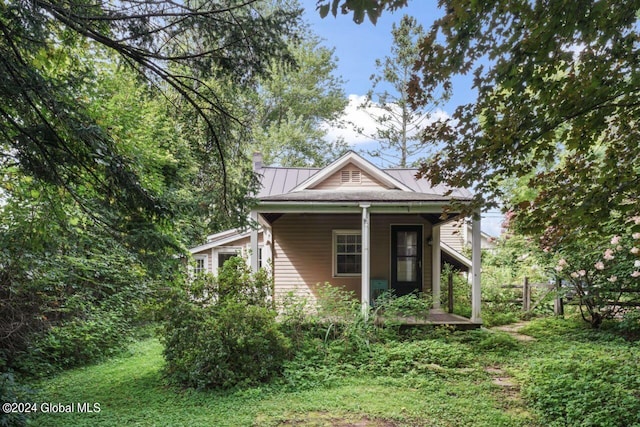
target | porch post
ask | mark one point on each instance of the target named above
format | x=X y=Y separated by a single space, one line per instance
x=366 y=259
x=436 y=265
x=475 y=269
x=267 y=248
x=255 y=252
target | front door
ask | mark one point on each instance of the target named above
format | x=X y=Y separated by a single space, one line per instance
x=406 y=259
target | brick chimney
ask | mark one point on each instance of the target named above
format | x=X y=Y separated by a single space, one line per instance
x=257 y=161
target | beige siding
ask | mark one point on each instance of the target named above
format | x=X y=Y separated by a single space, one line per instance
x=303 y=251
x=452 y=233
x=335 y=181
x=302 y=254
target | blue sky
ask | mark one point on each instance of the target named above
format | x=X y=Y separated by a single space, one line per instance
x=358 y=46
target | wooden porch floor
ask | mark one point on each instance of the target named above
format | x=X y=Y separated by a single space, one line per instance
x=438 y=317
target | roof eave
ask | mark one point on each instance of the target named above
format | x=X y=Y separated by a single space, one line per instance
x=351 y=206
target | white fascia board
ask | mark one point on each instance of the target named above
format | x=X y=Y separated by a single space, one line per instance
x=222 y=234
x=223 y=242
x=455 y=254
x=415 y=207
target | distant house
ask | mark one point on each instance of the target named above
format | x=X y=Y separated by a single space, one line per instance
x=354 y=225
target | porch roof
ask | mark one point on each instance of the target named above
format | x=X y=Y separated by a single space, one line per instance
x=361 y=196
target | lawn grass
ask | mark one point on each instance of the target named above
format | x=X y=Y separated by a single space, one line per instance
x=132 y=392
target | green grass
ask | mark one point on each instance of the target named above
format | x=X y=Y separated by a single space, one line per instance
x=132 y=392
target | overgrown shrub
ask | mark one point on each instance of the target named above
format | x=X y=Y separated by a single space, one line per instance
x=410 y=305
x=11 y=392
x=499 y=343
x=339 y=340
x=225 y=345
x=296 y=321
x=461 y=291
x=629 y=326
x=419 y=357
x=67 y=296
x=78 y=342
x=340 y=319
x=222 y=332
x=589 y=388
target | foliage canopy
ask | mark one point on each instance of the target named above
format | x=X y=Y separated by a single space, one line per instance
x=46 y=129
x=557 y=104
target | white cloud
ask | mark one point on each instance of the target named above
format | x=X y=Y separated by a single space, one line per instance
x=363 y=118
x=353 y=114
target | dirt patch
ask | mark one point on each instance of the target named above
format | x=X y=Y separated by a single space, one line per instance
x=322 y=419
x=501 y=378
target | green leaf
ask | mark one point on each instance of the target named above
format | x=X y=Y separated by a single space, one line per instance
x=323 y=10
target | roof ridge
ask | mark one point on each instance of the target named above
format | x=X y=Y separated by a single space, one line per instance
x=400 y=168
x=292 y=167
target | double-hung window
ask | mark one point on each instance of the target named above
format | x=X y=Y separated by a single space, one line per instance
x=347 y=253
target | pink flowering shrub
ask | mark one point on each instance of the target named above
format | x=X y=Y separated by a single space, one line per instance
x=604 y=269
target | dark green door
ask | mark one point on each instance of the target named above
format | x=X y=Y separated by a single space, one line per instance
x=406 y=259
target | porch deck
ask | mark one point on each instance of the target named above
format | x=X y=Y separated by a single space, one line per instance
x=437 y=317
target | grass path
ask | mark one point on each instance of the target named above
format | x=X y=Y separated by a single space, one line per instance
x=131 y=392
x=568 y=374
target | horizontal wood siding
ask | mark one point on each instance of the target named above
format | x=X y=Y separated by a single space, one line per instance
x=334 y=182
x=303 y=251
x=452 y=233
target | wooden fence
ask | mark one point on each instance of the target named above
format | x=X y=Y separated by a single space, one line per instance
x=526 y=295
x=526 y=299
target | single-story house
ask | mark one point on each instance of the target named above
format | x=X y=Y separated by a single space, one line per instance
x=351 y=224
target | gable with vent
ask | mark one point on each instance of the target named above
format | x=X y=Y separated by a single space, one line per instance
x=351 y=171
x=350 y=177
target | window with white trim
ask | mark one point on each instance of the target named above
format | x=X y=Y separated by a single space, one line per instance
x=201 y=264
x=225 y=256
x=347 y=253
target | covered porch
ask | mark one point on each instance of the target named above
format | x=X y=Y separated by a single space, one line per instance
x=396 y=246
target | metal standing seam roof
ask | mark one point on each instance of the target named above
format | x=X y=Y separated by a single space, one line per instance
x=408 y=178
x=277 y=180
x=277 y=183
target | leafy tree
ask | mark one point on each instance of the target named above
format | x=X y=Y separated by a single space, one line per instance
x=294 y=106
x=398 y=130
x=120 y=129
x=372 y=8
x=46 y=129
x=557 y=88
x=58 y=268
